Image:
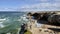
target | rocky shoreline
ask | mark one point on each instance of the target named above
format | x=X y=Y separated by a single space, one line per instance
x=45 y=28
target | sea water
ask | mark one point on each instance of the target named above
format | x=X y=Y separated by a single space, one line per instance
x=11 y=20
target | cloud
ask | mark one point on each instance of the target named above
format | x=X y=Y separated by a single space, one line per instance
x=8 y=9
x=42 y=1
x=44 y=5
x=56 y=0
x=49 y=0
x=36 y=5
x=41 y=6
x=35 y=0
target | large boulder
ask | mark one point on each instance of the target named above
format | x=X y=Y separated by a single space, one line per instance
x=54 y=19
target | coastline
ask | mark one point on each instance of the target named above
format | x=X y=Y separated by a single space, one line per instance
x=36 y=30
x=44 y=29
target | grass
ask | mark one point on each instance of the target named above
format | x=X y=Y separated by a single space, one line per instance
x=27 y=32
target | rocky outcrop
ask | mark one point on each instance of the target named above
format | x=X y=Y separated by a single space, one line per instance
x=50 y=17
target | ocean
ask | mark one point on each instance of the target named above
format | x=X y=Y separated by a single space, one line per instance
x=11 y=20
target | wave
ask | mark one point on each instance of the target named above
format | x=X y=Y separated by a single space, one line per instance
x=3 y=19
x=23 y=19
x=12 y=21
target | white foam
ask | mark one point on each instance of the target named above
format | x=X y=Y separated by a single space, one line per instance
x=19 y=20
x=3 y=19
x=23 y=17
x=38 y=24
x=1 y=25
x=8 y=33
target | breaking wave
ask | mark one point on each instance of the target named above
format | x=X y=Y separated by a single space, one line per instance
x=12 y=20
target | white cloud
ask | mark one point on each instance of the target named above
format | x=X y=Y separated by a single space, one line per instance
x=8 y=9
x=57 y=0
x=38 y=6
x=51 y=0
x=42 y=6
x=37 y=0
x=44 y=0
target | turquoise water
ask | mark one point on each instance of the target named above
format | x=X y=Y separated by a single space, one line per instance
x=11 y=20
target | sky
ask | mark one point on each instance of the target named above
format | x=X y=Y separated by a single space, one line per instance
x=29 y=5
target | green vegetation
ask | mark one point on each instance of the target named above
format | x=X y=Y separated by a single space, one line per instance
x=28 y=32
